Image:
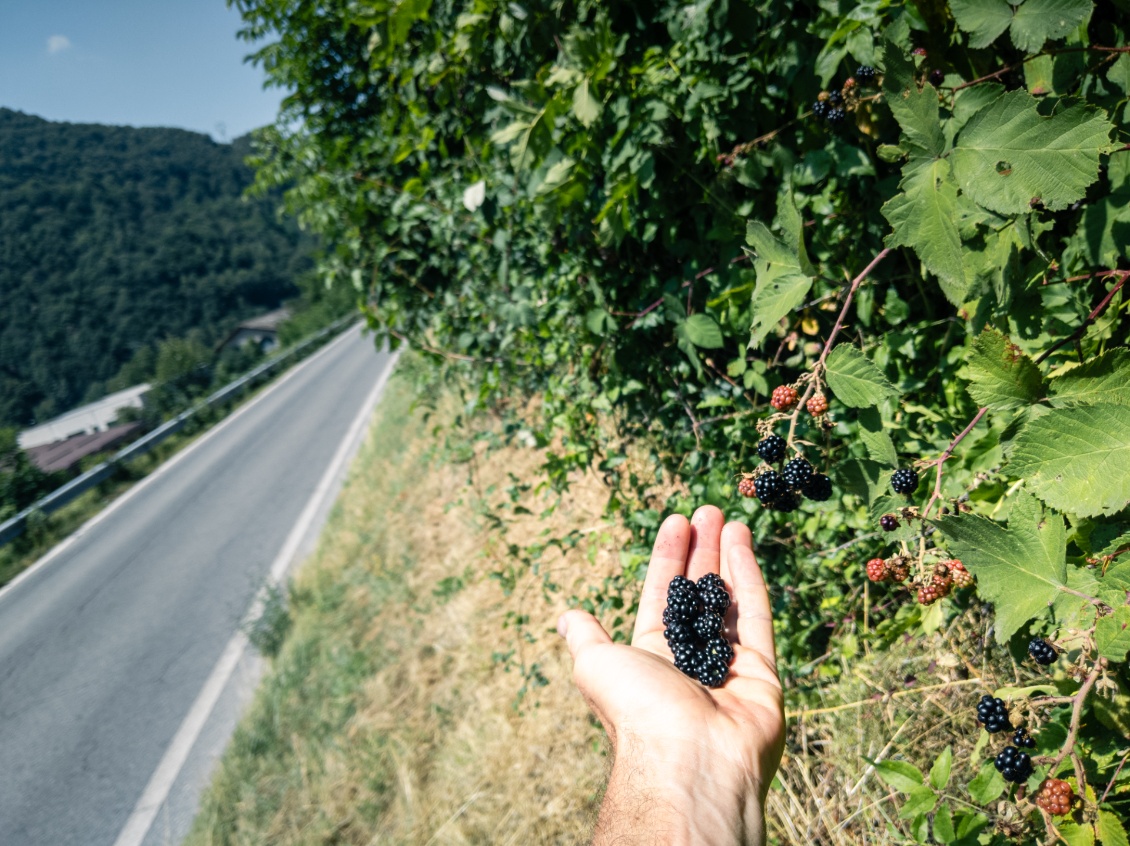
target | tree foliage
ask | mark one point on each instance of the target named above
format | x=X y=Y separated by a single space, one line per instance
x=631 y=209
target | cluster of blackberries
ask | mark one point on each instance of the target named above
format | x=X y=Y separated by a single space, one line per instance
x=1055 y=797
x=1021 y=738
x=992 y=714
x=693 y=620
x=904 y=481
x=895 y=569
x=1014 y=765
x=1042 y=652
x=830 y=107
x=780 y=491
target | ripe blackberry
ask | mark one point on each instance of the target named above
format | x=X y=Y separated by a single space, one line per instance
x=1014 y=765
x=937 y=77
x=877 y=570
x=888 y=522
x=708 y=626
x=687 y=656
x=785 y=503
x=679 y=583
x=865 y=74
x=820 y=109
x=709 y=580
x=818 y=488
x=992 y=714
x=1042 y=652
x=712 y=671
x=904 y=481
x=1055 y=797
x=746 y=488
x=783 y=397
x=772 y=449
x=719 y=647
x=1021 y=738
x=796 y=473
x=836 y=116
x=768 y=486
x=682 y=607
x=835 y=98
x=961 y=577
x=715 y=600
x=679 y=633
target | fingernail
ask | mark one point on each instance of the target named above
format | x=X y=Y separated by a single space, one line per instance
x=562 y=625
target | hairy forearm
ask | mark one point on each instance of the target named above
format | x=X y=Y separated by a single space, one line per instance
x=677 y=796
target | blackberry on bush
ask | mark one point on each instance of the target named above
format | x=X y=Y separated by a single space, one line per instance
x=888 y=522
x=904 y=481
x=937 y=77
x=768 y=486
x=1014 y=765
x=929 y=594
x=747 y=488
x=835 y=98
x=783 y=397
x=836 y=116
x=1042 y=652
x=877 y=570
x=899 y=569
x=992 y=714
x=820 y=109
x=1021 y=738
x=772 y=449
x=1055 y=797
x=817 y=405
x=796 y=473
x=785 y=503
x=865 y=74
x=818 y=488
x=961 y=577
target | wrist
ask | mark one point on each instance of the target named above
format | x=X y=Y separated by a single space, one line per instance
x=679 y=792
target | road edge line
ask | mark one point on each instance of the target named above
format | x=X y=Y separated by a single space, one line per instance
x=160 y=784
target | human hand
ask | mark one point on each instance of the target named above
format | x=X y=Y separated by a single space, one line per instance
x=692 y=764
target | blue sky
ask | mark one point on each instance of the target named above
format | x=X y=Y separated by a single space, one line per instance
x=136 y=62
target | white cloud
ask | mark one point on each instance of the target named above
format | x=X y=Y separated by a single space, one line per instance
x=58 y=43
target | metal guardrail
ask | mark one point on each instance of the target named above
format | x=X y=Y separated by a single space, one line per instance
x=15 y=526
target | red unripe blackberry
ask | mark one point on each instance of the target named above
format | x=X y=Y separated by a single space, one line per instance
x=747 y=488
x=817 y=405
x=962 y=578
x=898 y=569
x=918 y=51
x=941 y=579
x=928 y=594
x=888 y=522
x=877 y=570
x=783 y=397
x=1055 y=797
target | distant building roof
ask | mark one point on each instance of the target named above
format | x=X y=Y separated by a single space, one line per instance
x=84 y=420
x=269 y=321
x=264 y=328
x=63 y=455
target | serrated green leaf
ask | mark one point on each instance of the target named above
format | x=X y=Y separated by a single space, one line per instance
x=1008 y=155
x=1110 y=829
x=984 y=20
x=854 y=380
x=943 y=825
x=781 y=283
x=1077 y=460
x=865 y=479
x=1020 y=568
x=1000 y=375
x=902 y=776
x=703 y=331
x=1076 y=834
x=920 y=800
x=1038 y=21
x=1105 y=379
x=987 y=785
x=940 y=772
x=585 y=106
x=1112 y=634
x=923 y=216
x=915 y=110
x=880 y=447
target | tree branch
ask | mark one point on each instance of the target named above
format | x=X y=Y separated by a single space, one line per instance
x=942 y=460
x=1078 y=333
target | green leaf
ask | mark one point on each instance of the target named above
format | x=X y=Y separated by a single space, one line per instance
x=943 y=825
x=1008 y=154
x=1020 y=568
x=1000 y=375
x=585 y=106
x=1112 y=634
x=781 y=283
x=1075 y=834
x=940 y=772
x=920 y=800
x=923 y=216
x=865 y=479
x=854 y=380
x=1123 y=540
x=1077 y=460
x=987 y=785
x=900 y=775
x=984 y=20
x=1110 y=829
x=878 y=442
x=1031 y=23
x=703 y=331
x=1037 y=21
x=915 y=110
x=1105 y=379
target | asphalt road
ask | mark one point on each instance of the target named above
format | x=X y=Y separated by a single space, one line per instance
x=105 y=647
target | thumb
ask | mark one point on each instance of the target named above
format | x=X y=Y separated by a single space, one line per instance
x=581 y=630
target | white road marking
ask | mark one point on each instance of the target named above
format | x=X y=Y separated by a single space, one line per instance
x=161 y=782
x=69 y=541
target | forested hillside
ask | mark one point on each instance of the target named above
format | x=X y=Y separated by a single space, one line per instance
x=114 y=238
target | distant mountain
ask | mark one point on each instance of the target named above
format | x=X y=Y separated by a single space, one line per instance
x=114 y=238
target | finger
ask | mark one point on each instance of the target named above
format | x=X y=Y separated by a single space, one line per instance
x=705 y=546
x=582 y=632
x=733 y=534
x=751 y=596
x=668 y=559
